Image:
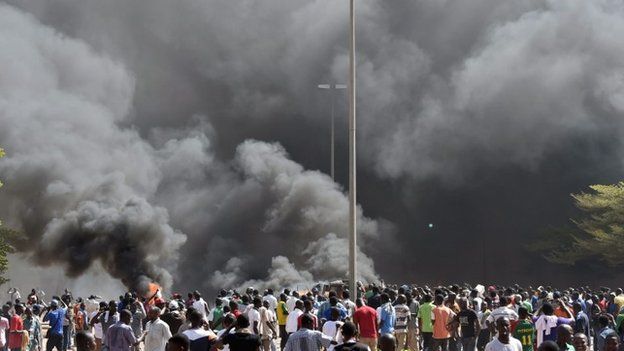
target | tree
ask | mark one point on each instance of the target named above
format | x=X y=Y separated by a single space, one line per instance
x=599 y=235
x=6 y=236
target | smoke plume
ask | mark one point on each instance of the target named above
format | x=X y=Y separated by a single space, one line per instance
x=187 y=139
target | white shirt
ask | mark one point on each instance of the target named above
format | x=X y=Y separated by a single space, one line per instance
x=97 y=327
x=496 y=345
x=290 y=303
x=291 y=320
x=4 y=325
x=331 y=329
x=201 y=306
x=158 y=334
x=502 y=312
x=272 y=301
x=254 y=316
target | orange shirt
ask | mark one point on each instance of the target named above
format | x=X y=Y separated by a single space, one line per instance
x=442 y=315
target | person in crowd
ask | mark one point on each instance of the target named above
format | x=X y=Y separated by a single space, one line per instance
x=350 y=343
x=282 y=314
x=32 y=324
x=55 y=317
x=85 y=341
x=108 y=318
x=525 y=330
x=172 y=316
x=502 y=311
x=200 y=338
x=307 y=339
x=441 y=315
x=178 y=342
x=348 y=303
x=242 y=339
x=16 y=328
x=138 y=315
x=119 y=336
x=612 y=343
x=365 y=318
x=157 y=332
x=425 y=321
x=503 y=341
x=548 y=345
x=308 y=308
x=271 y=299
x=412 y=326
x=604 y=321
x=268 y=326
x=386 y=315
x=581 y=342
x=403 y=317
x=581 y=320
x=200 y=305
x=469 y=326
x=293 y=317
x=387 y=342
x=564 y=337
x=331 y=328
x=215 y=318
x=546 y=323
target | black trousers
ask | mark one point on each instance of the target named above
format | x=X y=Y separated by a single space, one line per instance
x=55 y=340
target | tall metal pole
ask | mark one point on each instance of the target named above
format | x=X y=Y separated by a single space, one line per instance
x=332 y=87
x=333 y=174
x=352 y=159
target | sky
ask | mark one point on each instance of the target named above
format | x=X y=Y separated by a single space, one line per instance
x=176 y=140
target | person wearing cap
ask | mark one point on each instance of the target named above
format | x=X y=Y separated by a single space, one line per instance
x=173 y=317
x=55 y=317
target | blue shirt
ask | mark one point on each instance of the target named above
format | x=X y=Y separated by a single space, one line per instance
x=387 y=317
x=56 y=320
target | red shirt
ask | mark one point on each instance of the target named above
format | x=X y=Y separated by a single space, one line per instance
x=365 y=318
x=15 y=339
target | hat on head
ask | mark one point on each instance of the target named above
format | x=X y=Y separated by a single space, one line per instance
x=54 y=303
x=173 y=305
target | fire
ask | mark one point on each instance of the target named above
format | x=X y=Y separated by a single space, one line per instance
x=153 y=291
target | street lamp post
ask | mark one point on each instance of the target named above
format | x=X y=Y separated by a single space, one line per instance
x=352 y=159
x=332 y=88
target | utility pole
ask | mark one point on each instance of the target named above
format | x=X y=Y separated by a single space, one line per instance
x=332 y=88
x=352 y=159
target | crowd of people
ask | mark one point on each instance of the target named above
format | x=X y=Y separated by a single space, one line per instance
x=388 y=318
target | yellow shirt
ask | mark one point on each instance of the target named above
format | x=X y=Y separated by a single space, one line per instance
x=282 y=313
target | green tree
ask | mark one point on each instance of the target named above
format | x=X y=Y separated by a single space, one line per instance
x=599 y=235
x=6 y=236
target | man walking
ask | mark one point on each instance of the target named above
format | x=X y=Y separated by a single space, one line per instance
x=157 y=332
x=365 y=318
x=55 y=317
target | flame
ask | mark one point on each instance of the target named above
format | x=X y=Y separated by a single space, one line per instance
x=153 y=291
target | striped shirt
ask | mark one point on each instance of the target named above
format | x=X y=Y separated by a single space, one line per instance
x=402 y=317
x=307 y=340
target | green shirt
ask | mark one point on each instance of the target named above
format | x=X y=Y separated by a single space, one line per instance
x=525 y=332
x=424 y=313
